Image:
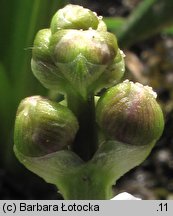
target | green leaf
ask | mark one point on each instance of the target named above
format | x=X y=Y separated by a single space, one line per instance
x=5 y=90
x=149 y=18
x=19 y=22
x=114 y=23
x=168 y=31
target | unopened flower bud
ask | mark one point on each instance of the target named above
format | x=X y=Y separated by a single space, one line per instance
x=41 y=46
x=76 y=52
x=96 y=47
x=43 y=127
x=129 y=113
x=74 y=17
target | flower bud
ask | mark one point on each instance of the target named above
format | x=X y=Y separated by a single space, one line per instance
x=76 y=52
x=43 y=127
x=96 y=47
x=113 y=73
x=41 y=46
x=129 y=113
x=74 y=17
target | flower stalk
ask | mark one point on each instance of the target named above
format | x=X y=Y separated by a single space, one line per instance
x=86 y=141
x=80 y=144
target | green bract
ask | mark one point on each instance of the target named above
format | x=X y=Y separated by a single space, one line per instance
x=77 y=53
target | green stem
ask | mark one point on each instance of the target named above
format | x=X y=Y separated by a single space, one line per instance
x=85 y=144
x=86 y=184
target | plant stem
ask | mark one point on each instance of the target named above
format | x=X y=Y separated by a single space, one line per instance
x=86 y=184
x=85 y=144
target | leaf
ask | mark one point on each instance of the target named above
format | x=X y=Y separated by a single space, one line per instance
x=114 y=23
x=149 y=18
x=168 y=31
x=5 y=109
x=5 y=91
x=19 y=22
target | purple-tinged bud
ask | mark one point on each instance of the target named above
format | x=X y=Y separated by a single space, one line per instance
x=129 y=113
x=43 y=127
x=77 y=53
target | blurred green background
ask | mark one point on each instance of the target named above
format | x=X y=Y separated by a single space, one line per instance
x=145 y=33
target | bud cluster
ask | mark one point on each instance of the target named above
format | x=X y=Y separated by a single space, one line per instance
x=77 y=52
x=77 y=57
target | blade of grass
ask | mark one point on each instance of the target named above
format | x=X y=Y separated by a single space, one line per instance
x=20 y=20
x=168 y=31
x=5 y=108
x=149 y=18
x=114 y=23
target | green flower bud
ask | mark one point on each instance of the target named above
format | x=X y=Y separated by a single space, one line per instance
x=43 y=127
x=74 y=17
x=129 y=113
x=113 y=73
x=96 y=47
x=42 y=65
x=76 y=52
x=41 y=46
